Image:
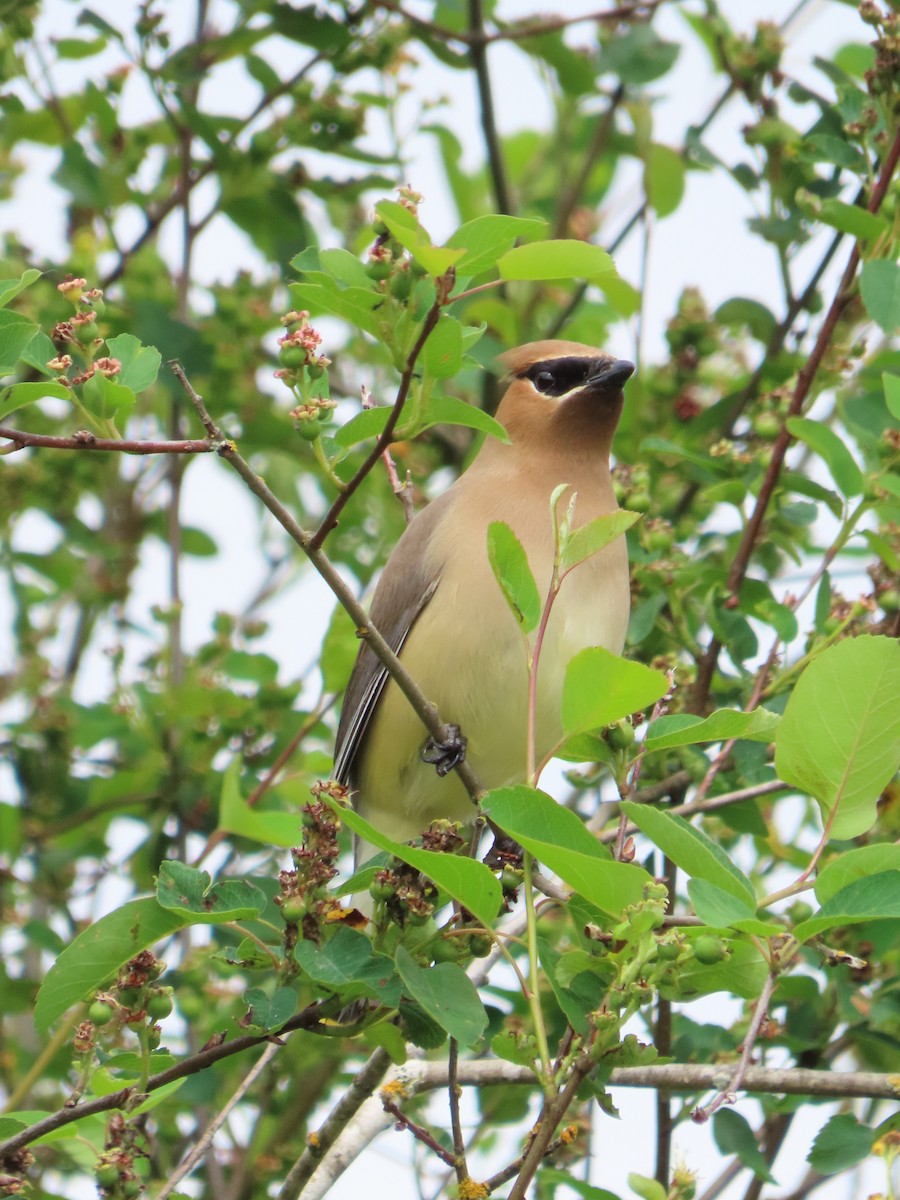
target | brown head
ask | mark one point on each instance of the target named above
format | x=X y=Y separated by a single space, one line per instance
x=563 y=394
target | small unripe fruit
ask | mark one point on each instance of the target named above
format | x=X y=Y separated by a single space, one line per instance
x=378 y=268
x=292 y=356
x=445 y=950
x=640 y=501
x=293 y=909
x=667 y=951
x=107 y=1175
x=766 y=425
x=379 y=890
x=621 y=735
x=709 y=950
x=101 y=1012
x=160 y=1004
x=480 y=945
x=311 y=429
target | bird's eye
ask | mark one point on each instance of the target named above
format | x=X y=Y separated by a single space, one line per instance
x=544 y=381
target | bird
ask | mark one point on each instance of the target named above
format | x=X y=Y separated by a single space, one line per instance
x=440 y=608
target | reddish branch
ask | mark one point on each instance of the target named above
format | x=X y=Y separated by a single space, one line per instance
x=329 y=521
x=707 y=664
x=85 y=440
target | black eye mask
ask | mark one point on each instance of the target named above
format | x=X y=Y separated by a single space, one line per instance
x=556 y=376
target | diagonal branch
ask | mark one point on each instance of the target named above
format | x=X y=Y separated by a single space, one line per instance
x=426 y=711
x=707 y=664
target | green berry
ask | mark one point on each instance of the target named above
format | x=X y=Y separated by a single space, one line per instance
x=292 y=357
x=621 y=735
x=311 y=429
x=445 y=950
x=160 y=1003
x=101 y=1012
x=709 y=950
x=293 y=909
x=480 y=945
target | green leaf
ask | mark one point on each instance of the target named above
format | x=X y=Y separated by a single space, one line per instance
x=464 y=879
x=450 y=410
x=442 y=353
x=191 y=894
x=559 y=839
x=268 y=1013
x=509 y=563
x=447 y=995
x=645 y=1187
x=663 y=179
x=874 y=898
x=638 y=56
x=97 y=953
x=682 y=729
x=486 y=239
x=722 y=910
x=20 y=394
x=10 y=288
x=856 y=864
x=840 y=1143
x=587 y=1191
x=733 y=1135
x=564 y=259
x=743 y=973
x=601 y=688
x=851 y=218
x=348 y=965
x=839 y=738
x=344 y=266
x=590 y=538
x=237 y=817
x=140 y=364
x=832 y=450
x=754 y=316
x=16 y=331
x=879 y=285
x=891 y=384
x=369 y=423
x=410 y=234
x=690 y=849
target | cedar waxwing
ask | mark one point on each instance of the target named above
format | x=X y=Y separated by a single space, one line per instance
x=441 y=609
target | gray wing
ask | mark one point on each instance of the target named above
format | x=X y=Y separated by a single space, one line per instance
x=404 y=589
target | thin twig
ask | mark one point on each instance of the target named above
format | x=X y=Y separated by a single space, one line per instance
x=726 y=1095
x=444 y=285
x=84 y=440
x=203 y=1143
x=420 y=1133
x=710 y=805
x=308 y=1018
x=454 y=1092
x=517 y=33
x=478 y=56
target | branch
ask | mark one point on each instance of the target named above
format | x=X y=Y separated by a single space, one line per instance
x=741 y=561
x=419 y=1076
x=641 y=9
x=478 y=56
x=426 y=711
x=320 y=1142
x=308 y=1018
x=726 y=1095
x=85 y=440
x=444 y=286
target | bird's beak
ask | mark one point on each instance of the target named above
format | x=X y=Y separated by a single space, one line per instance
x=611 y=377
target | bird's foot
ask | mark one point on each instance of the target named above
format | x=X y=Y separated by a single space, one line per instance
x=447 y=754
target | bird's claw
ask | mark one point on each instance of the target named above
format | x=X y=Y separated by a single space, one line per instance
x=447 y=754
